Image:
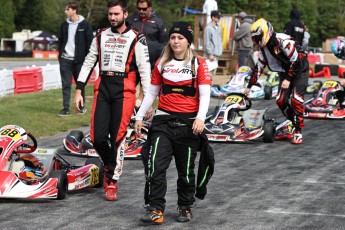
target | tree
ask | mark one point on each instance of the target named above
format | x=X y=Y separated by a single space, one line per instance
x=7 y=26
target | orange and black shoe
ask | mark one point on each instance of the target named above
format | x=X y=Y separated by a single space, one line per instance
x=185 y=215
x=153 y=216
x=111 y=191
x=297 y=138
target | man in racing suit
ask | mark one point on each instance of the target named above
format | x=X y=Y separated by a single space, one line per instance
x=280 y=53
x=338 y=49
x=119 y=51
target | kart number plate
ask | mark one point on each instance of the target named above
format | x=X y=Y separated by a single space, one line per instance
x=13 y=133
x=94 y=175
x=233 y=99
x=329 y=84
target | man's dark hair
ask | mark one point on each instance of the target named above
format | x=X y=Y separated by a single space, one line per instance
x=73 y=6
x=121 y=3
x=149 y=2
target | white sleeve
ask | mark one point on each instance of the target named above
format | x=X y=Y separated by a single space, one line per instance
x=143 y=62
x=204 y=101
x=89 y=62
x=149 y=98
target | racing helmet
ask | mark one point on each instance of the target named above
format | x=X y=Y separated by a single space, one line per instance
x=261 y=32
x=337 y=47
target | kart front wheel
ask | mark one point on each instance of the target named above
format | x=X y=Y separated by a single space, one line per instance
x=268 y=136
x=99 y=163
x=62 y=184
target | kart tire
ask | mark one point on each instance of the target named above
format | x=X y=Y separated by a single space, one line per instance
x=79 y=135
x=62 y=184
x=268 y=136
x=99 y=163
x=268 y=92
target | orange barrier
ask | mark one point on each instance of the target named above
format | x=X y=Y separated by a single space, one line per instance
x=45 y=54
x=28 y=80
x=341 y=72
x=325 y=72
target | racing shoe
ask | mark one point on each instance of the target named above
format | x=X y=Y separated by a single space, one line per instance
x=297 y=138
x=110 y=191
x=339 y=113
x=185 y=215
x=153 y=216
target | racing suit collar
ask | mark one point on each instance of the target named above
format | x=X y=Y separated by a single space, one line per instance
x=127 y=28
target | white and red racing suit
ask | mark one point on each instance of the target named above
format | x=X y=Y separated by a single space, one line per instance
x=119 y=55
x=281 y=55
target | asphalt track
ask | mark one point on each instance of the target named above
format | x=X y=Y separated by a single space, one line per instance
x=254 y=186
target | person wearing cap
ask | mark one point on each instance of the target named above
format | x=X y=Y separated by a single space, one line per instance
x=208 y=7
x=244 y=43
x=213 y=46
x=182 y=81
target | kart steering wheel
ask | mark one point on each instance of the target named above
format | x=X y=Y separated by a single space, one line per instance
x=27 y=147
x=246 y=100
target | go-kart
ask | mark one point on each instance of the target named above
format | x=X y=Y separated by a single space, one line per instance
x=79 y=144
x=239 y=82
x=234 y=121
x=28 y=172
x=324 y=102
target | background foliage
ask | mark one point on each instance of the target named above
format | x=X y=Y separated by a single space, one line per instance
x=325 y=19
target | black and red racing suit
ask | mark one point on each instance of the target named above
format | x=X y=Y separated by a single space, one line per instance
x=280 y=55
x=119 y=55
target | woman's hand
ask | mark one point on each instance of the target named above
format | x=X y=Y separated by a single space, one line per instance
x=198 y=126
x=137 y=126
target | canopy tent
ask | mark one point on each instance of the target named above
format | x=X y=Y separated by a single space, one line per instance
x=44 y=41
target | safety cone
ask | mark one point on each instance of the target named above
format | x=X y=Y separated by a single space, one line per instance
x=325 y=72
x=341 y=72
x=311 y=72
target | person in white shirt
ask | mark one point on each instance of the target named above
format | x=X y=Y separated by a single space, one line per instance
x=208 y=7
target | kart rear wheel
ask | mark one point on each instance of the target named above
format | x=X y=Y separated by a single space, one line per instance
x=268 y=92
x=98 y=162
x=268 y=136
x=62 y=184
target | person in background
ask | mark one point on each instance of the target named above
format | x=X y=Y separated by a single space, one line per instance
x=147 y=21
x=75 y=37
x=306 y=38
x=243 y=39
x=213 y=46
x=338 y=49
x=295 y=27
x=208 y=7
x=120 y=52
x=279 y=53
x=182 y=82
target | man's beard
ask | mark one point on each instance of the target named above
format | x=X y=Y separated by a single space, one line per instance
x=119 y=24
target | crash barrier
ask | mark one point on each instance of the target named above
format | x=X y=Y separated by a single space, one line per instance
x=45 y=54
x=341 y=72
x=315 y=58
x=332 y=67
x=27 y=80
x=324 y=73
x=51 y=77
x=6 y=82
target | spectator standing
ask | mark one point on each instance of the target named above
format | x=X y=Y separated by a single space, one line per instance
x=279 y=53
x=182 y=82
x=208 y=7
x=306 y=38
x=244 y=43
x=295 y=27
x=120 y=51
x=213 y=46
x=75 y=37
x=147 y=21
x=338 y=49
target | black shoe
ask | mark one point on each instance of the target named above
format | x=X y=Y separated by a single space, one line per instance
x=185 y=215
x=64 y=113
x=153 y=216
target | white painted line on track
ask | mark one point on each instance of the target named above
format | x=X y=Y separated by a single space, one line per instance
x=280 y=211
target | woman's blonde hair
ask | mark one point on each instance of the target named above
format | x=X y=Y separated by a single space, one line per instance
x=168 y=55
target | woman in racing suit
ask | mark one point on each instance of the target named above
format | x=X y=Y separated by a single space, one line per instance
x=119 y=51
x=338 y=49
x=280 y=53
x=182 y=82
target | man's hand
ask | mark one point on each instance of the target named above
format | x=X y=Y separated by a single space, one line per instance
x=137 y=126
x=198 y=126
x=78 y=100
x=246 y=91
x=285 y=84
x=342 y=82
x=211 y=57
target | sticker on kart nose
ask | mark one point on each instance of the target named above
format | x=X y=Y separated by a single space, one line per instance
x=94 y=175
x=233 y=99
x=329 y=84
x=13 y=133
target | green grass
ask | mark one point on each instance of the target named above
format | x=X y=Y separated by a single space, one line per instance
x=36 y=112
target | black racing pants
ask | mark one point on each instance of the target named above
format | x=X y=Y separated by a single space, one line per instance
x=169 y=140
x=294 y=111
x=340 y=94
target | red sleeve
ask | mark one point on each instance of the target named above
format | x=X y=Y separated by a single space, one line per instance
x=156 y=78
x=204 y=77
